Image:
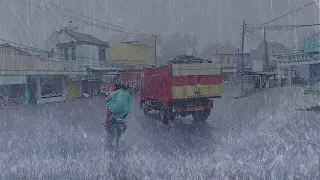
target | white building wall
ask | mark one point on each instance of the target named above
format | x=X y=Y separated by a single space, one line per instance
x=29 y=65
x=88 y=55
x=55 y=39
x=257 y=66
x=64 y=38
x=51 y=41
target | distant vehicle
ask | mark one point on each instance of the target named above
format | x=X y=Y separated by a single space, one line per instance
x=296 y=80
x=181 y=89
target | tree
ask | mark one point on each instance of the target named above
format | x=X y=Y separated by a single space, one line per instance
x=194 y=43
x=211 y=48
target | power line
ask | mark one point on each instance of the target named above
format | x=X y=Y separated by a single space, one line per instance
x=253 y=39
x=289 y=12
x=31 y=48
x=254 y=35
x=252 y=30
x=284 y=27
x=92 y=18
x=76 y=19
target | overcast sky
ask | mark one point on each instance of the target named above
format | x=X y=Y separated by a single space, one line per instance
x=215 y=20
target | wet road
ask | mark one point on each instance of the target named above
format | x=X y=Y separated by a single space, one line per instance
x=66 y=141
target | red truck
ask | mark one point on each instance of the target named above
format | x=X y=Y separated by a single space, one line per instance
x=181 y=89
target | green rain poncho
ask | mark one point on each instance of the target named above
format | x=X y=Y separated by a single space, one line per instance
x=119 y=105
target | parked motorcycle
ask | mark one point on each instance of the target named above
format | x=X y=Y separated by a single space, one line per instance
x=298 y=81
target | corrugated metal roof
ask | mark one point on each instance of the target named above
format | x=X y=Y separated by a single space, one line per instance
x=80 y=37
x=7 y=45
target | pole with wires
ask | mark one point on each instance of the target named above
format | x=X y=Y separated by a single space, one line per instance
x=155 y=50
x=266 y=62
x=242 y=57
x=155 y=36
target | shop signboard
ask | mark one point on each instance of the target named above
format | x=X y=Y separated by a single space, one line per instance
x=106 y=88
x=73 y=78
x=7 y=80
x=311 y=46
x=94 y=78
x=298 y=59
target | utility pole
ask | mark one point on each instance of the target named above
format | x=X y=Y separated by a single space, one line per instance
x=266 y=59
x=155 y=47
x=242 y=63
x=155 y=50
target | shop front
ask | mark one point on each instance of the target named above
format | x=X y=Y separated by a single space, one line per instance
x=107 y=82
x=287 y=64
x=50 y=89
x=91 y=86
x=12 y=90
x=97 y=81
x=73 y=87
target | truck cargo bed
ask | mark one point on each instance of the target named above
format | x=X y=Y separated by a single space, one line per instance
x=183 y=81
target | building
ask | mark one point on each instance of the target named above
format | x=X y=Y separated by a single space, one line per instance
x=96 y=58
x=132 y=54
x=247 y=62
x=226 y=55
x=72 y=63
x=227 y=49
x=259 y=56
x=132 y=58
x=44 y=77
x=268 y=64
x=312 y=45
x=90 y=53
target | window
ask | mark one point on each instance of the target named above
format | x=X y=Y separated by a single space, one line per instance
x=50 y=54
x=66 y=54
x=102 y=55
x=73 y=53
x=51 y=86
x=228 y=61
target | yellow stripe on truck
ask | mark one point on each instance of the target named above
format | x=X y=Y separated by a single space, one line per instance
x=189 y=91
x=216 y=90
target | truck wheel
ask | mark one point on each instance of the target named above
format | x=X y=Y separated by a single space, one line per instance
x=145 y=111
x=201 y=115
x=172 y=116
x=164 y=115
x=144 y=108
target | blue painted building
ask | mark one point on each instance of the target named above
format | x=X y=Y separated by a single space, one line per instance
x=247 y=61
x=312 y=45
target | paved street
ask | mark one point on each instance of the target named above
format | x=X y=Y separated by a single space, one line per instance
x=66 y=141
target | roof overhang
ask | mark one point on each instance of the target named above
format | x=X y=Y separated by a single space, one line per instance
x=109 y=69
x=65 y=45
x=258 y=73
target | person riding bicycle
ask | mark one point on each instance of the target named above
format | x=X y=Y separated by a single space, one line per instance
x=119 y=106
